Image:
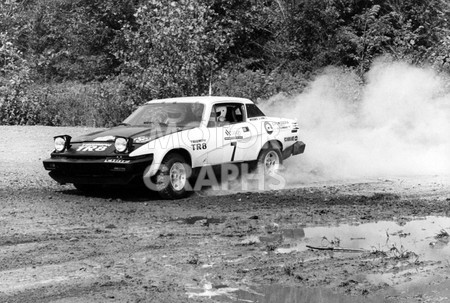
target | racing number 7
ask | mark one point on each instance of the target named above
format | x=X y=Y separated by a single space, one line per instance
x=234 y=150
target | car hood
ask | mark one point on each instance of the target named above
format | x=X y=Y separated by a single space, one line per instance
x=109 y=135
x=140 y=134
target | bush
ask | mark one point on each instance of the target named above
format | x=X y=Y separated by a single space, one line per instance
x=108 y=103
x=68 y=104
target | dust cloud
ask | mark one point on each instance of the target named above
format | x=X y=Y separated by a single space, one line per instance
x=396 y=123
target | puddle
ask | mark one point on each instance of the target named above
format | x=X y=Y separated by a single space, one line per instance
x=294 y=233
x=286 y=235
x=204 y=220
x=278 y=294
x=417 y=236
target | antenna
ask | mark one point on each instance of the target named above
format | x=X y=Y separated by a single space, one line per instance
x=210 y=83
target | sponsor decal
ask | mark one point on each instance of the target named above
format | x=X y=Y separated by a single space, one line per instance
x=93 y=147
x=117 y=161
x=106 y=138
x=198 y=141
x=230 y=136
x=142 y=139
x=283 y=124
x=199 y=146
x=234 y=138
x=293 y=138
x=268 y=127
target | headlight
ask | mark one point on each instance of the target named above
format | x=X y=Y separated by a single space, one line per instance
x=62 y=143
x=121 y=144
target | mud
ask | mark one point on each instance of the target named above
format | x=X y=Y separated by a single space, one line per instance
x=370 y=240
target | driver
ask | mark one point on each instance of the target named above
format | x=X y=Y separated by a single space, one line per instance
x=221 y=112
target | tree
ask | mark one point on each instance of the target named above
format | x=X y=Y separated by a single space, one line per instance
x=172 y=49
x=248 y=26
x=67 y=39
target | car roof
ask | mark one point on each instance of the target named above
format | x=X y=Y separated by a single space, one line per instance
x=201 y=99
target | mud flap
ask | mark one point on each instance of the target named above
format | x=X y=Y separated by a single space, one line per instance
x=295 y=149
x=298 y=148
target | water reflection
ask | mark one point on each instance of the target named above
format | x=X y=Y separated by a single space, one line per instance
x=294 y=234
x=419 y=235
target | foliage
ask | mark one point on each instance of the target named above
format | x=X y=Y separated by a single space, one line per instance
x=72 y=40
x=248 y=26
x=14 y=79
x=172 y=51
x=256 y=84
x=69 y=103
x=407 y=30
x=100 y=59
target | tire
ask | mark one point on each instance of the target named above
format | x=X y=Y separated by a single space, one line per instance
x=172 y=179
x=87 y=188
x=269 y=160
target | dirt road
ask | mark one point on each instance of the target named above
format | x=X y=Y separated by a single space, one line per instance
x=372 y=240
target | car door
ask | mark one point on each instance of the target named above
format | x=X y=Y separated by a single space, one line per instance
x=227 y=126
x=253 y=130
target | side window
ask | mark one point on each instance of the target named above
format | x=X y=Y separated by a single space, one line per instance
x=226 y=113
x=253 y=111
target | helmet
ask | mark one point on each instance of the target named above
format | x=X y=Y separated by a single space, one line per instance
x=221 y=112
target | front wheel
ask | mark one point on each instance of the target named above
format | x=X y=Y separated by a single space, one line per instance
x=172 y=179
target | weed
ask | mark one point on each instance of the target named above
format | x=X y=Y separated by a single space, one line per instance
x=336 y=242
x=442 y=234
x=402 y=253
x=377 y=252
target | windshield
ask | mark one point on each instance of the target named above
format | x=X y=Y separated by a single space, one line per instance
x=178 y=114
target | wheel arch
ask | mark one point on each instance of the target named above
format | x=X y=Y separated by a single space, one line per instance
x=181 y=151
x=271 y=144
x=274 y=144
x=266 y=148
x=155 y=165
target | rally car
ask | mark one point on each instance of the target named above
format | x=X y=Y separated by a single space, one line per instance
x=164 y=142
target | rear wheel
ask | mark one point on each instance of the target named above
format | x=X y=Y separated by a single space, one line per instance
x=269 y=160
x=172 y=179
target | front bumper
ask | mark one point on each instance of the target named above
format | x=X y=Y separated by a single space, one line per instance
x=99 y=170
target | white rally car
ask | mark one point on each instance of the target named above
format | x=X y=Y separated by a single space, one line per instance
x=164 y=143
